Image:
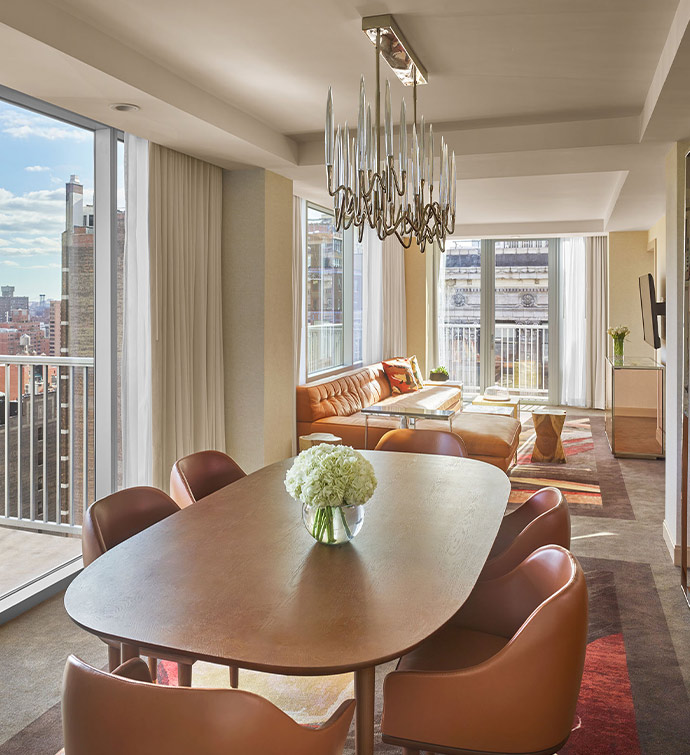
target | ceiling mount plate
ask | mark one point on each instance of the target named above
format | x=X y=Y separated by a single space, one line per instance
x=395 y=49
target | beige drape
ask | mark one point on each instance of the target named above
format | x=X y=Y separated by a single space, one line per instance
x=185 y=211
x=394 y=334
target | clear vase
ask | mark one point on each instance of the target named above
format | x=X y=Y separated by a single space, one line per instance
x=333 y=525
x=618 y=350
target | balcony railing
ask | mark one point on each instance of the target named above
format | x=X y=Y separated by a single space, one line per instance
x=521 y=356
x=324 y=347
x=46 y=442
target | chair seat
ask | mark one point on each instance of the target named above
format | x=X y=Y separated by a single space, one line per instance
x=452 y=647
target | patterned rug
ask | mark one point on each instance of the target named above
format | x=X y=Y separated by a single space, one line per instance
x=591 y=479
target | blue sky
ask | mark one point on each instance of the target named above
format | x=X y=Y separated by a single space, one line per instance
x=37 y=157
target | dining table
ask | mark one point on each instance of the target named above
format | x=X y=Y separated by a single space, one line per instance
x=236 y=579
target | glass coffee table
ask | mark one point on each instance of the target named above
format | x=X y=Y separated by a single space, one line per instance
x=408 y=417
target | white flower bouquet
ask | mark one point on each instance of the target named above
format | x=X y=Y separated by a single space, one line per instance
x=326 y=479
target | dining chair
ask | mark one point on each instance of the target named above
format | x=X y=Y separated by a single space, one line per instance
x=195 y=476
x=543 y=519
x=503 y=676
x=110 y=521
x=423 y=442
x=112 y=714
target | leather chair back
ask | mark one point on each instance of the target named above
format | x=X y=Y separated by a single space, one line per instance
x=423 y=442
x=543 y=519
x=112 y=714
x=195 y=476
x=115 y=518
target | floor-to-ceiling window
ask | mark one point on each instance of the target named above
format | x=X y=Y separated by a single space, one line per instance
x=333 y=294
x=497 y=315
x=51 y=162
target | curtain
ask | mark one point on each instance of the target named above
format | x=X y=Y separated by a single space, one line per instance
x=394 y=321
x=136 y=376
x=186 y=306
x=372 y=298
x=435 y=274
x=596 y=285
x=298 y=300
x=573 y=322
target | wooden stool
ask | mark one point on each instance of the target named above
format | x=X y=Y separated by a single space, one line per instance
x=307 y=441
x=548 y=424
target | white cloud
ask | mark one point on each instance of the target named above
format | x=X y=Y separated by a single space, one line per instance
x=31 y=225
x=36 y=168
x=21 y=125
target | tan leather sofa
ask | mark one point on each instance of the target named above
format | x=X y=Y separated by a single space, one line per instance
x=334 y=406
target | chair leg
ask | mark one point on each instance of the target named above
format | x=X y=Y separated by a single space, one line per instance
x=113 y=657
x=408 y=751
x=234 y=677
x=184 y=674
x=153 y=669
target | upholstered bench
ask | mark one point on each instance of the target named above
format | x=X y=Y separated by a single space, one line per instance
x=334 y=406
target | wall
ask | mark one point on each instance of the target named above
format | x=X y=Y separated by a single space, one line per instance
x=257 y=316
x=657 y=235
x=628 y=260
x=415 y=304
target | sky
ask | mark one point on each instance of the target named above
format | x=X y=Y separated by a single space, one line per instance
x=37 y=156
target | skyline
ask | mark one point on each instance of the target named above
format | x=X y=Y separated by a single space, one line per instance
x=37 y=156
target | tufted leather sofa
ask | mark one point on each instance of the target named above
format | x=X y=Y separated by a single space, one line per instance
x=334 y=406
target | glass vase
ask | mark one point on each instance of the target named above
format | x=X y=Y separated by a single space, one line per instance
x=333 y=525
x=618 y=350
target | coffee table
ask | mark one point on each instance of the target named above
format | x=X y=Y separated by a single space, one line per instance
x=236 y=579
x=511 y=401
x=408 y=417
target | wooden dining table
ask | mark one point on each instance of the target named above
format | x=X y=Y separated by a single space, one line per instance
x=236 y=579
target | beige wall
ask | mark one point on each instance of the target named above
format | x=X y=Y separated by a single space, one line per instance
x=415 y=305
x=628 y=260
x=257 y=316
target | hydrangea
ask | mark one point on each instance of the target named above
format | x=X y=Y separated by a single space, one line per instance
x=326 y=475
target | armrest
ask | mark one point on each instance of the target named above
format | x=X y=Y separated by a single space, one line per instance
x=134 y=669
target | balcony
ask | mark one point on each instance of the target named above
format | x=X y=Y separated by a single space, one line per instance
x=46 y=442
x=521 y=355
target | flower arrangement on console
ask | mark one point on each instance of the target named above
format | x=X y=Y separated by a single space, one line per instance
x=332 y=483
x=619 y=334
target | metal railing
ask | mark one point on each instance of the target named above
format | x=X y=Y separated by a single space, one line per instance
x=46 y=441
x=325 y=347
x=521 y=356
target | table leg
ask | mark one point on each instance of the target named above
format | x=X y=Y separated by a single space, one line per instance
x=129 y=652
x=364 y=712
x=366 y=431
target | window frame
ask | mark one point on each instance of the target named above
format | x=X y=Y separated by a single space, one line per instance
x=348 y=299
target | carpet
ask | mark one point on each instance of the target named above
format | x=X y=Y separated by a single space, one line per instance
x=591 y=479
x=633 y=699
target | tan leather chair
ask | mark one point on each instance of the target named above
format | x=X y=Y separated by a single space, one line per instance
x=105 y=714
x=543 y=519
x=423 y=442
x=504 y=675
x=110 y=521
x=195 y=476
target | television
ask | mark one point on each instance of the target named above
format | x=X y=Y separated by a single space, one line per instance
x=651 y=311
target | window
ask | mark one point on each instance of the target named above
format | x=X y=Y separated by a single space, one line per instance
x=333 y=295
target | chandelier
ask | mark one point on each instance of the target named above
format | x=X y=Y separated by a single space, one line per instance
x=393 y=193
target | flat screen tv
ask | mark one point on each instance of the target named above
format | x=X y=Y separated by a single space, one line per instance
x=651 y=311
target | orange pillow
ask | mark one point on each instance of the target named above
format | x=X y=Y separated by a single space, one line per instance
x=400 y=375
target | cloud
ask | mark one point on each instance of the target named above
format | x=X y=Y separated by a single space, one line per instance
x=21 y=125
x=31 y=225
x=36 y=168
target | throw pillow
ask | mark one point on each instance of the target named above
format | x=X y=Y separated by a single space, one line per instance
x=416 y=371
x=400 y=375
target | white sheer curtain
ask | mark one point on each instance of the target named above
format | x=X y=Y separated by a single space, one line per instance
x=435 y=274
x=394 y=336
x=299 y=318
x=573 y=348
x=136 y=376
x=596 y=285
x=372 y=298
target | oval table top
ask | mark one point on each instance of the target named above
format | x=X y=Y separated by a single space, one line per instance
x=237 y=579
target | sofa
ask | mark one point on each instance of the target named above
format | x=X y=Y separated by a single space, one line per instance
x=334 y=405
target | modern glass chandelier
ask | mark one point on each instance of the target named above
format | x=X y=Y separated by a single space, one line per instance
x=395 y=194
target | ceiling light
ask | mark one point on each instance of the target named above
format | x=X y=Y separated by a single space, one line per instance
x=366 y=185
x=124 y=107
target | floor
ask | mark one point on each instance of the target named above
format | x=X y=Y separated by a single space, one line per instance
x=24 y=556
x=34 y=646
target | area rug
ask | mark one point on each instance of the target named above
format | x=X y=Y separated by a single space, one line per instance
x=591 y=479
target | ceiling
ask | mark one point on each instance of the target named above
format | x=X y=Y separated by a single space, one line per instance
x=560 y=112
